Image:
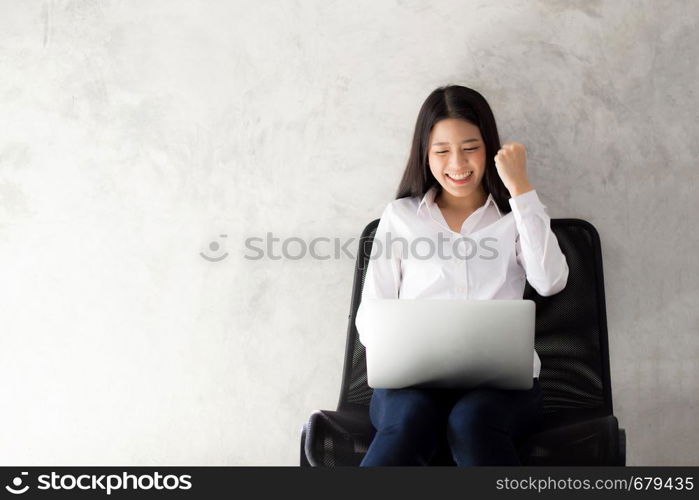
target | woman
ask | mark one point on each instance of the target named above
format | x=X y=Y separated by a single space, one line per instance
x=460 y=182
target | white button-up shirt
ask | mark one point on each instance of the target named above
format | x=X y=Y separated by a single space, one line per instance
x=490 y=258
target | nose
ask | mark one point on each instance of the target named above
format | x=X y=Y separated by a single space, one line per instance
x=458 y=159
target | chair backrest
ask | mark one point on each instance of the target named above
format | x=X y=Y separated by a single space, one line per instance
x=571 y=329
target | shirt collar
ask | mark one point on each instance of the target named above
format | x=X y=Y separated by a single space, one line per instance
x=428 y=199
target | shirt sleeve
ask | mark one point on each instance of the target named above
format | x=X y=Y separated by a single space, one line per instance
x=383 y=274
x=537 y=247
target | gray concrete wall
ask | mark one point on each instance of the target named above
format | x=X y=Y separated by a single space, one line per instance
x=134 y=134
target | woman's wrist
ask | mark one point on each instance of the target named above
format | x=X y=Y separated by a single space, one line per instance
x=521 y=189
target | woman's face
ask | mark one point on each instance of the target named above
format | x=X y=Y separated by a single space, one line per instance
x=457 y=148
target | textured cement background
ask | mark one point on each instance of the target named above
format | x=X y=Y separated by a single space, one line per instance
x=133 y=135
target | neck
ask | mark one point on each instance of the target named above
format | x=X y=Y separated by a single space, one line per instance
x=468 y=203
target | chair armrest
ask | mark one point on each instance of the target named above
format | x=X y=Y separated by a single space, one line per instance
x=591 y=441
x=333 y=438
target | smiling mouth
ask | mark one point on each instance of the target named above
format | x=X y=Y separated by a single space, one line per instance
x=460 y=179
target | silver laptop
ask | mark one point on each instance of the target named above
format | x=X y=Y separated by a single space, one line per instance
x=449 y=343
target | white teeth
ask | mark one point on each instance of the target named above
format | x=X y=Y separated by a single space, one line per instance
x=461 y=176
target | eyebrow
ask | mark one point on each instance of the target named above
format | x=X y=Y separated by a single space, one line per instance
x=472 y=139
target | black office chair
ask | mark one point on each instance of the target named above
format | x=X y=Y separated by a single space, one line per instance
x=578 y=428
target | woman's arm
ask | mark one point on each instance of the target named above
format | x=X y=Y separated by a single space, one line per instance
x=538 y=251
x=537 y=247
x=383 y=274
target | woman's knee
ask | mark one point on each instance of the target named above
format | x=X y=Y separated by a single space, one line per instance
x=475 y=412
x=407 y=409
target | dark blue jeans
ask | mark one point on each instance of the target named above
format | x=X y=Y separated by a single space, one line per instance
x=480 y=424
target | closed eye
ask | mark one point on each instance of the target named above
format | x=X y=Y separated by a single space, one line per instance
x=469 y=150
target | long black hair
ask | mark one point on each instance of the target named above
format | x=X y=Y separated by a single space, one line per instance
x=453 y=101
